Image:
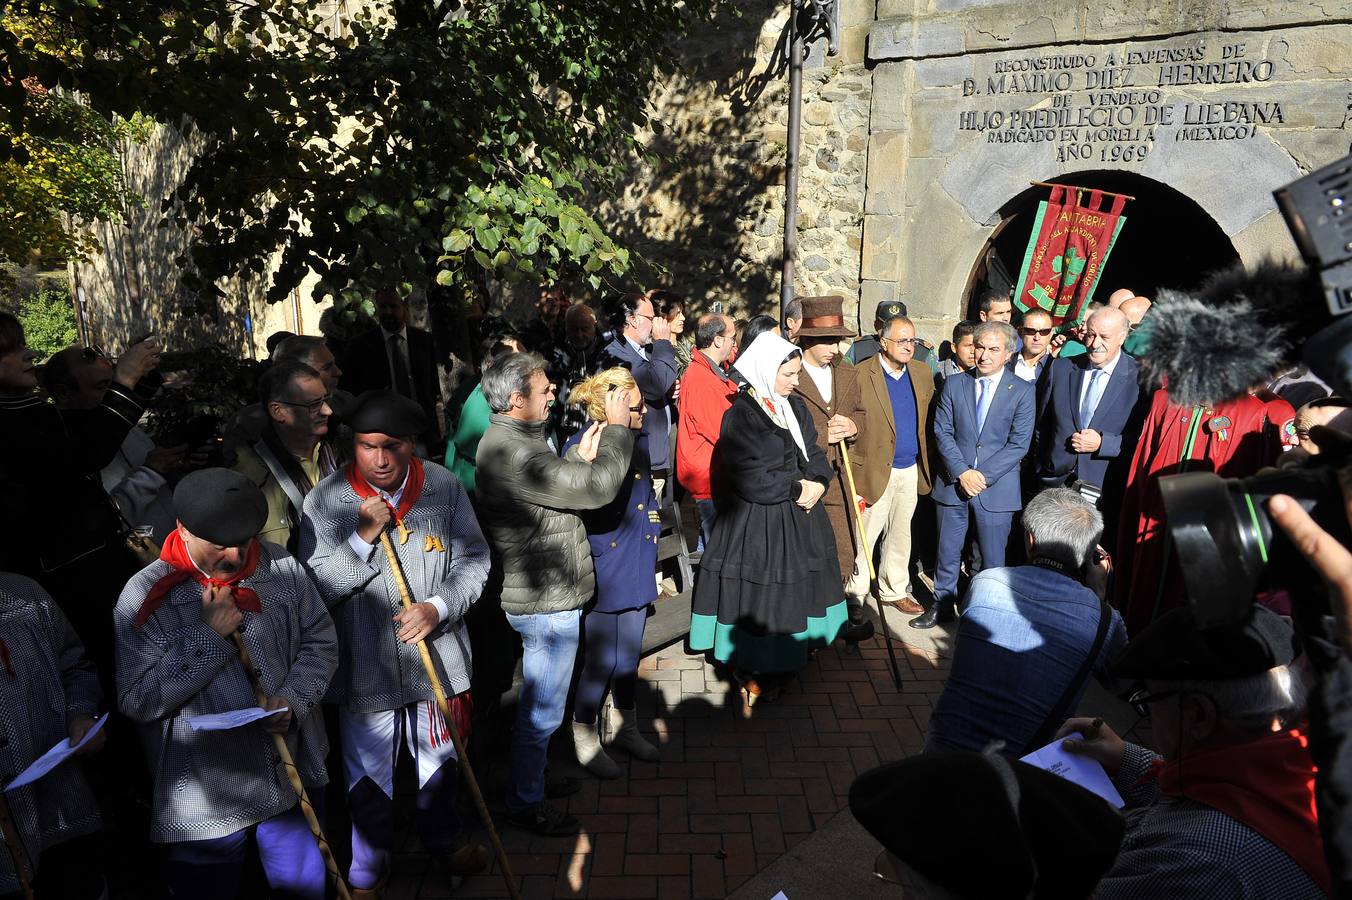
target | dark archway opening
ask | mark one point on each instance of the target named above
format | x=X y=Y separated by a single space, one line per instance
x=1169 y=241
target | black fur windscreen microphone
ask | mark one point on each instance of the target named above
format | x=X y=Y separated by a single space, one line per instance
x=1236 y=331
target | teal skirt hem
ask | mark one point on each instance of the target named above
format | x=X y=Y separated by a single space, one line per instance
x=766 y=652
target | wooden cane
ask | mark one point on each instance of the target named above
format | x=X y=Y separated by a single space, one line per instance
x=470 y=781
x=16 y=851
x=868 y=559
x=293 y=774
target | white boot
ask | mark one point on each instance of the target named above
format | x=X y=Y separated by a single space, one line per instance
x=628 y=738
x=587 y=746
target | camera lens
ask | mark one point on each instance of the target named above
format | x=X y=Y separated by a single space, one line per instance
x=1226 y=545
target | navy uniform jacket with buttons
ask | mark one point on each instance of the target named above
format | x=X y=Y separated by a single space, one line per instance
x=174 y=667
x=623 y=535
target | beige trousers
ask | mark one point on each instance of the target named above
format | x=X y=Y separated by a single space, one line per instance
x=890 y=519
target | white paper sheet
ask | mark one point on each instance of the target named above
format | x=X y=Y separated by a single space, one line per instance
x=1081 y=770
x=236 y=718
x=53 y=758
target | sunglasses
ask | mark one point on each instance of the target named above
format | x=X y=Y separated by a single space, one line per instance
x=1041 y=332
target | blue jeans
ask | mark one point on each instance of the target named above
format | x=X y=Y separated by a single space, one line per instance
x=549 y=642
x=707 y=513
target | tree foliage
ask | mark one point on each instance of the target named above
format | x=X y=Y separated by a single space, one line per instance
x=417 y=140
x=48 y=320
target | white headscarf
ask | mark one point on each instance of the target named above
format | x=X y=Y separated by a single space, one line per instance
x=759 y=364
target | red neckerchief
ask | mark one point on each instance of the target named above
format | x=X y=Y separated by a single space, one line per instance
x=175 y=553
x=412 y=487
x=5 y=659
x=1267 y=785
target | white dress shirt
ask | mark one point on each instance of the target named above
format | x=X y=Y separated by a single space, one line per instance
x=821 y=377
x=1107 y=375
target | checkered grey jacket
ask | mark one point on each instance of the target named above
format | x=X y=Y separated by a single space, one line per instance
x=174 y=667
x=378 y=671
x=52 y=681
x=1177 y=847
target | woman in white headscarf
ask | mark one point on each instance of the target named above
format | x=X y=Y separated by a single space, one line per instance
x=768 y=591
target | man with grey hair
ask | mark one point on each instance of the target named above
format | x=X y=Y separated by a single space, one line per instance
x=1090 y=416
x=793 y=319
x=527 y=502
x=1226 y=807
x=1031 y=635
x=983 y=424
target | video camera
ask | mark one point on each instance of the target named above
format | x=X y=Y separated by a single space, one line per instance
x=1220 y=526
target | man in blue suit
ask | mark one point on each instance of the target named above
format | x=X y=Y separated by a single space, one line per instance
x=1091 y=414
x=983 y=425
x=643 y=345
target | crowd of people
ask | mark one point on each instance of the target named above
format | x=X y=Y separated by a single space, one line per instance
x=1010 y=476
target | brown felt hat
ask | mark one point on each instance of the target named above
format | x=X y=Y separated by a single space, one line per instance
x=824 y=317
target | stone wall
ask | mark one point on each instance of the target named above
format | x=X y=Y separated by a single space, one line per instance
x=712 y=210
x=973 y=100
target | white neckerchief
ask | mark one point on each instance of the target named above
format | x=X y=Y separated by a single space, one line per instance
x=759 y=364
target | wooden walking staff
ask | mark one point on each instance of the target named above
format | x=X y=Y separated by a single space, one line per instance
x=15 y=847
x=293 y=774
x=868 y=559
x=442 y=704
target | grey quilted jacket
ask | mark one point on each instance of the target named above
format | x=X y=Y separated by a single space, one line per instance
x=209 y=784
x=378 y=671
x=528 y=499
x=51 y=681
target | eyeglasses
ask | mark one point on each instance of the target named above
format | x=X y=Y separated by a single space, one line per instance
x=1040 y=332
x=900 y=342
x=1141 y=699
x=312 y=407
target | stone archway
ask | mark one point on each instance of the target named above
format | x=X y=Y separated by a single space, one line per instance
x=1170 y=240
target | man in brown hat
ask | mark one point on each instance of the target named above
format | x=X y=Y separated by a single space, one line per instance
x=831 y=389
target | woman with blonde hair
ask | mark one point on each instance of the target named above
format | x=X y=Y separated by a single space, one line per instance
x=623 y=537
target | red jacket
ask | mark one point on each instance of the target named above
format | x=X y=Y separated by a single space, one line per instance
x=706 y=393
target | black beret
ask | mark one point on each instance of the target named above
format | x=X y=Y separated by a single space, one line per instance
x=892 y=309
x=221 y=506
x=1173 y=648
x=386 y=412
x=1058 y=844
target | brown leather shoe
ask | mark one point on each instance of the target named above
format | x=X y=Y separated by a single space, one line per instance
x=906 y=605
x=470 y=858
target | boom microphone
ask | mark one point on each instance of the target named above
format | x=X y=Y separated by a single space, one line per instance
x=1238 y=330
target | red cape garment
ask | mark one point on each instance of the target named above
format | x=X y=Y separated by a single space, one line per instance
x=1235 y=439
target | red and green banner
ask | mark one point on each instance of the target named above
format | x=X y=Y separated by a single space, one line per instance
x=1066 y=252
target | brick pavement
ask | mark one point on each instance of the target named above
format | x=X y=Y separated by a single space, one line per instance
x=729 y=796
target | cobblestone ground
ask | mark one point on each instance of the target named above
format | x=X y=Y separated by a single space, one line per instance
x=729 y=796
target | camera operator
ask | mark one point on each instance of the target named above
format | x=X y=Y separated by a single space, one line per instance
x=1228 y=810
x=59 y=526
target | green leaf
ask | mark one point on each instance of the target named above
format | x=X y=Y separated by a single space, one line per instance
x=457 y=241
x=355 y=214
x=445 y=277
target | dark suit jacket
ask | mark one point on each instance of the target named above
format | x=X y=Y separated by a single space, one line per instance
x=996 y=449
x=655 y=376
x=1118 y=419
x=367 y=368
x=877 y=442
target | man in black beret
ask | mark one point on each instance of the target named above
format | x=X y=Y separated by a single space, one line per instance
x=385 y=700
x=1226 y=809
x=176 y=624
x=1004 y=829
